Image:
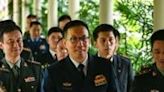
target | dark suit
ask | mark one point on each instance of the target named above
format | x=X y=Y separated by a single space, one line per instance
x=123 y=73
x=29 y=78
x=64 y=77
x=38 y=47
x=46 y=58
x=150 y=81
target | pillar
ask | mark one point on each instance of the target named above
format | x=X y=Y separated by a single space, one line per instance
x=106 y=11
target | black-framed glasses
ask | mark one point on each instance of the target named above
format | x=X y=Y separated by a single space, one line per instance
x=77 y=39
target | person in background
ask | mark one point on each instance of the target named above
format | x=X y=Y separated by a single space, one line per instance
x=105 y=41
x=16 y=74
x=49 y=57
x=35 y=43
x=79 y=71
x=152 y=79
x=30 y=18
x=63 y=20
x=61 y=51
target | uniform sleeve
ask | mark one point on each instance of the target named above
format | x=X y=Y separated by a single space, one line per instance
x=49 y=86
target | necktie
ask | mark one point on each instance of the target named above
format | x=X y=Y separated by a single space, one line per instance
x=81 y=70
x=15 y=71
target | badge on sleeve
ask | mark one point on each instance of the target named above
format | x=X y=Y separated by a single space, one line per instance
x=29 y=79
x=100 y=80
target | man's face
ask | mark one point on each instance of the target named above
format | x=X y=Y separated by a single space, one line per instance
x=12 y=44
x=35 y=31
x=61 y=51
x=158 y=54
x=53 y=39
x=105 y=44
x=77 y=43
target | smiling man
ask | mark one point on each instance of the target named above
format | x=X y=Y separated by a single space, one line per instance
x=79 y=71
x=16 y=74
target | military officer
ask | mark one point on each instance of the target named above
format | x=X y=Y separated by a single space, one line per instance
x=16 y=74
x=35 y=42
x=152 y=79
x=79 y=72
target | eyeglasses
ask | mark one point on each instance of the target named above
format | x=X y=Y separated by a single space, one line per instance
x=77 y=39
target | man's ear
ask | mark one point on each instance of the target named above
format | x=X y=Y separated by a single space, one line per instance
x=64 y=42
x=1 y=45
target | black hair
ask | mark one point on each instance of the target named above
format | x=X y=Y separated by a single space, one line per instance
x=74 y=23
x=35 y=23
x=8 y=26
x=64 y=17
x=31 y=16
x=54 y=29
x=104 y=28
x=157 y=35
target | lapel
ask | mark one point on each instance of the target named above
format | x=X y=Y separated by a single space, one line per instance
x=117 y=65
x=72 y=71
x=27 y=74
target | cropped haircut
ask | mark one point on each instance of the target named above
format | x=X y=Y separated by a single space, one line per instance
x=104 y=28
x=8 y=26
x=54 y=29
x=31 y=16
x=64 y=17
x=35 y=23
x=74 y=23
x=157 y=35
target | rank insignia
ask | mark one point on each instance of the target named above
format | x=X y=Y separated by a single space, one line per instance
x=100 y=80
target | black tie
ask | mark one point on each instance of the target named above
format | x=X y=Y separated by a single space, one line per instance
x=15 y=70
x=80 y=69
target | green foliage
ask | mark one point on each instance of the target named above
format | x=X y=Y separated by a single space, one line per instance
x=136 y=20
x=133 y=20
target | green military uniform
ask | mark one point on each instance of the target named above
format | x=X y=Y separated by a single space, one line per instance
x=151 y=80
x=28 y=80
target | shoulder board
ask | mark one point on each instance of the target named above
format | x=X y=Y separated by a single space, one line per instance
x=4 y=69
x=145 y=70
x=33 y=62
x=27 y=49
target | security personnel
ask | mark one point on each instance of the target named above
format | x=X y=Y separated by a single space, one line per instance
x=152 y=79
x=105 y=41
x=35 y=43
x=16 y=74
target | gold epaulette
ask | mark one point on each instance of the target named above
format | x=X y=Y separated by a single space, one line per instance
x=33 y=62
x=145 y=70
x=27 y=49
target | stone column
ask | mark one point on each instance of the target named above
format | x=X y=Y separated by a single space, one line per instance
x=23 y=7
x=106 y=11
x=52 y=13
x=37 y=7
x=16 y=11
x=158 y=14
x=73 y=8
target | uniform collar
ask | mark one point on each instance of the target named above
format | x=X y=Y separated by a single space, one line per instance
x=11 y=65
x=52 y=52
x=77 y=64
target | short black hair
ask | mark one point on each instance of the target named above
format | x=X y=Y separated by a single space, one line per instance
x=8 y=26
x=104 y=28
x=54 y=29
x=35 y=23
x=74 y=23
x=64 y=17
x=31 y=16
x=157 y=35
